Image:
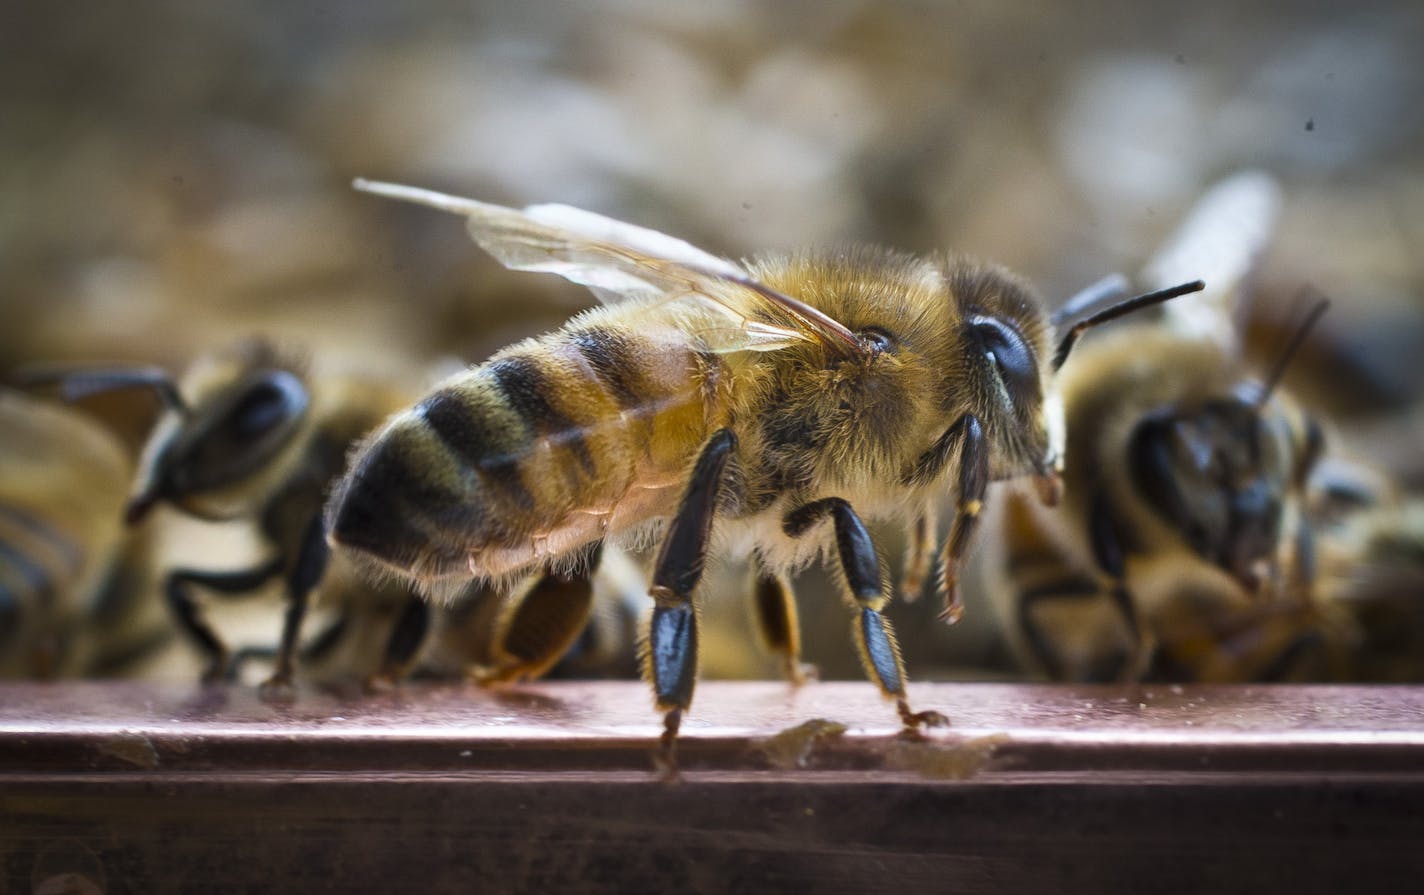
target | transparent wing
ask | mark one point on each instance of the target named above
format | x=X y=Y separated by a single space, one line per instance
x=1220 y=242
x=620 y=261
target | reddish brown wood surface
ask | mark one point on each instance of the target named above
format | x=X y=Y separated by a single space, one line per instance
x=172 y=788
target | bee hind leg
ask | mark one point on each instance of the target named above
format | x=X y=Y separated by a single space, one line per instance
x=538 y=626
x=774 y=608
x=874 y=637
x=187 y=613
x=670 y=656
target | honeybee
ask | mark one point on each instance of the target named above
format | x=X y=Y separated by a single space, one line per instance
x=248 y=434
x=62 y=486
x=1185 y=548
x=785 y=400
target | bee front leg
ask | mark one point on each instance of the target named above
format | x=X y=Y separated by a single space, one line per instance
x=973 y=485
x=1108 y=552
x=966 y=435
x=874 y=637
x=190 y=618
x=670 y=659
x=774 y=607
x=304 y=576
x=1038 y=642
x=539 y=626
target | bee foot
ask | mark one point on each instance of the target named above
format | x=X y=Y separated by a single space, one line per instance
x=379 y=683
x=665 y=758
x=277 y=689
x=800 y=673
x=915 y=721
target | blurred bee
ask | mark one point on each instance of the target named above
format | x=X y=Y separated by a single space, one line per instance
x=1185 y=548
x=249 y=435
x=782 y=399
x=63 y=480
x=1372 y=569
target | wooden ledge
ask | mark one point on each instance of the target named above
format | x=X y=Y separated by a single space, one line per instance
x=161 y=787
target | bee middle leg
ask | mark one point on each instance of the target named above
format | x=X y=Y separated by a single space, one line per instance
x=670 y=658
x=874 y=637
x=774 y=607
x=536 y=628
x=187 y=613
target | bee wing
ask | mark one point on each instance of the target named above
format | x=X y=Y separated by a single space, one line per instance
x=1220 y=241
x=620 y=261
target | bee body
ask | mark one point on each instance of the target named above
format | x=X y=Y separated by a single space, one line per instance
x=588 y=432
x=61 y=496
x=768 y=408
x=553 y=443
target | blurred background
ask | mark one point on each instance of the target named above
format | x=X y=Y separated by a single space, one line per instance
x=173 y=175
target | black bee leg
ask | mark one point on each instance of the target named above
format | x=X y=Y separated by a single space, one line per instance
x=918 y=554
x=301 y=580
x=537 y=627
x=1040 y=645
x=320 y=646
x=1107 y=551
x=973 y=484
x=403 y=644
x=189 y=617
x=670 y=658
x=774 y=607
x=874 y=637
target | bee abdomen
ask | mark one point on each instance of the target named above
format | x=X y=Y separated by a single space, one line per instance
x=502 y=457
x=40 y=575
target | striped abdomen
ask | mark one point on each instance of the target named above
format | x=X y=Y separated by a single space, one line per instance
x=548 y=446
x=62 y=495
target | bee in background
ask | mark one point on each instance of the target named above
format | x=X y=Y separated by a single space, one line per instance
x=1372 y=569
x=249 y=435
x=780 y=400
x=63 y=603
x=1184 y=548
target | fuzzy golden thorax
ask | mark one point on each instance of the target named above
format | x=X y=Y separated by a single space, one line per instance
x=939 y=334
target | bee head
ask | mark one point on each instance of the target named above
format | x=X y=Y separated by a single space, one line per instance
x=1220 y=471
x=224 y=449
x=1006 y=336
x=1219 y=474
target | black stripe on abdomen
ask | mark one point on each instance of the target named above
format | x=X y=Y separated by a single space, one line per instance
x=526 y=389
x=467 y=435
x=389 y=509
x=613 y=362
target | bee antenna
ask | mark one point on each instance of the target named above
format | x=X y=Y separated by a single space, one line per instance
x=1114 y=311
x=1287 y=354
x=76 y=384
x=1112 y=286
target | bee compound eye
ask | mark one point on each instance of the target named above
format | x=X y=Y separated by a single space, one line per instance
x=876 y=340
x=1011 y=356
x=267 y=405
